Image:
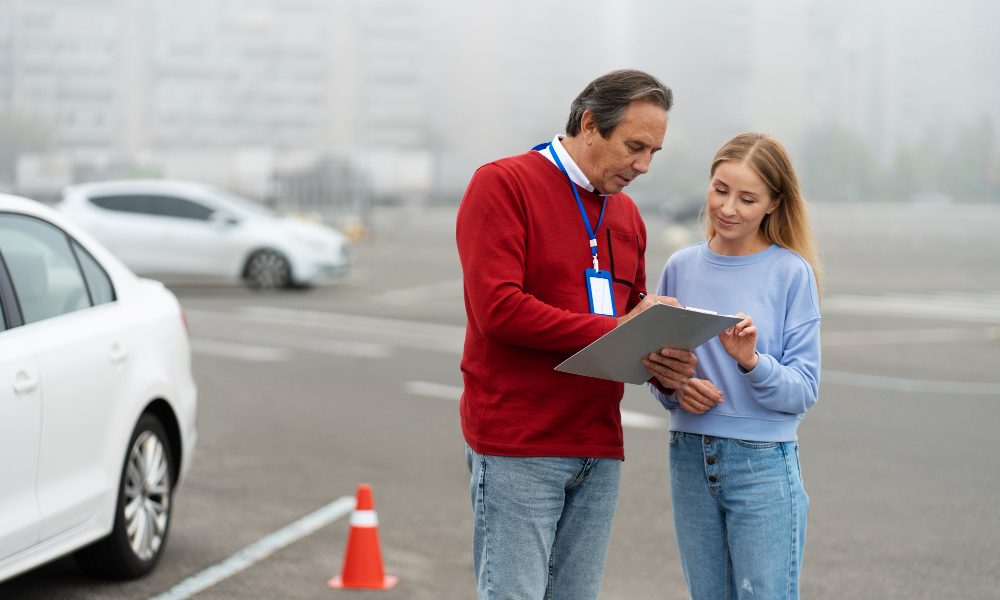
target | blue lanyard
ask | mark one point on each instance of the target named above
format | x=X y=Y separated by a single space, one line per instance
x=579 y=203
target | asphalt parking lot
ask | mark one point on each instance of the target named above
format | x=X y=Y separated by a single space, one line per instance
x=305 y=394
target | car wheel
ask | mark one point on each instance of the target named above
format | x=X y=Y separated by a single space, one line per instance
x=142 y=515
x=268 y=270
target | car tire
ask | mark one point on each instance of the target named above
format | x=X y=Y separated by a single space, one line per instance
x=143 y=511
x=267 y=270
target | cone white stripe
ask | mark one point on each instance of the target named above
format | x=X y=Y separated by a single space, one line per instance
x=364 y=518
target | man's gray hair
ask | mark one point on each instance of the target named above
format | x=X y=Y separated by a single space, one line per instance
x=608 y=97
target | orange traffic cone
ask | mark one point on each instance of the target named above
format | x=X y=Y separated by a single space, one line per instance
x=363 y=558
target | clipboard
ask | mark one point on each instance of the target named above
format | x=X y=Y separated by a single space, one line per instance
x=618 y=354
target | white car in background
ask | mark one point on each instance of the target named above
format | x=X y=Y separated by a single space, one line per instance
x=175 y=228
x=97 y=402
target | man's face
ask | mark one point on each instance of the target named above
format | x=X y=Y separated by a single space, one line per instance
x=613 y=162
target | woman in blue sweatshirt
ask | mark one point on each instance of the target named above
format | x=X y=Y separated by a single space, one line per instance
x=738 y=501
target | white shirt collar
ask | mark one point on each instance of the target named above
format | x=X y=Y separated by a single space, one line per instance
x=575 y=174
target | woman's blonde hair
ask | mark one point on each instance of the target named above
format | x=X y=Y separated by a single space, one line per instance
x=788 y=226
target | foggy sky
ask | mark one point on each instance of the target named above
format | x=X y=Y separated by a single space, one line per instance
x=469 y=82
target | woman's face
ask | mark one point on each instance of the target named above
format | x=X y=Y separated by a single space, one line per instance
x=737 y=201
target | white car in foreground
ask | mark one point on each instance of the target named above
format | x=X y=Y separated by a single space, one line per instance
x=97 y=402
x=174 y=228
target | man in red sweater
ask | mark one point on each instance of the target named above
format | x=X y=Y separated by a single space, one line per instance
x=552 y=255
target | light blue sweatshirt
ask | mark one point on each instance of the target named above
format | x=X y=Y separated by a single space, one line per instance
x=777 y=288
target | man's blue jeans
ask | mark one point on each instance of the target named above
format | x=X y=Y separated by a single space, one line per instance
x=542 y=525
x=740 y=516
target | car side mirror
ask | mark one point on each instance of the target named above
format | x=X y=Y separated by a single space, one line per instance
x=221 y=218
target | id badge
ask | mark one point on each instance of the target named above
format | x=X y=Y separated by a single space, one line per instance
x=600 y=293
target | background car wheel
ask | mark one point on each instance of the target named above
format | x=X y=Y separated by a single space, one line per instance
x=268 y=270
x=142 y=516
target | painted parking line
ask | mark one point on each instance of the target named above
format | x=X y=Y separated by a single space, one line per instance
x=891 y=337
x=373 y=337
x=422 y=294
x=638 y=420
x=916 y=386
x=981 y=307
x=260 y=549
x=448 y=338
x=282 y=347
x=433 y=390
x=630 y=418
x=238 y=351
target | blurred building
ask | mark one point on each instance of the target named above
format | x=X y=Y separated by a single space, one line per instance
x=507 y=72
x=235 y=92
x=901 y=70
x=61 y=63
x=399 y=100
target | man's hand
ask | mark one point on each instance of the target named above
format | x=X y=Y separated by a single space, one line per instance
x=645 y=303
x=671 y=367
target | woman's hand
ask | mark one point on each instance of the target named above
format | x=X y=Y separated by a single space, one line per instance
x=740 y=342
x=698 y=396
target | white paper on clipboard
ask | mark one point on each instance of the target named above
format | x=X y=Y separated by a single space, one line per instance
x=618 y=354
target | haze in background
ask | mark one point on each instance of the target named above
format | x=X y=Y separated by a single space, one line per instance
x=323 y=103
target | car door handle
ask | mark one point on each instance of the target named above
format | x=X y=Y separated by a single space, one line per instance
x=24 y=383
x=118 y=354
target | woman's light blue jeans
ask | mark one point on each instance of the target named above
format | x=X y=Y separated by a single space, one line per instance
x=740 y=516
x=542 y=525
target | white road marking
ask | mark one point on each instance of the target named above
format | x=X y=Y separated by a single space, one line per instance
x=899 y=384
x=338 y=347
x=449 y=392
x=433 y=390
x=412 y=334
x=239 y=351
x=260 y=549
x=981 y=307
x=449 y=339
x=906 y=336
x=421 y=294
x=281 y=352
x=640 y=420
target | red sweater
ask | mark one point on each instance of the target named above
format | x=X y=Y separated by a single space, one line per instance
x=524 y=249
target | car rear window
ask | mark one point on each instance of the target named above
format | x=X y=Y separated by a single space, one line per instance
x=98 y=282
x=46 y=278
x=125 y=203
x=155 y=204
x=180 y=208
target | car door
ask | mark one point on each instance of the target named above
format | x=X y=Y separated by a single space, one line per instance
x=20 y=429
x=127 y=225
x=82 y=361
x=197 y=243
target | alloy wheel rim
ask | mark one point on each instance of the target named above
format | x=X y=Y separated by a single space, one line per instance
x=147 y=496
x=268 y=270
